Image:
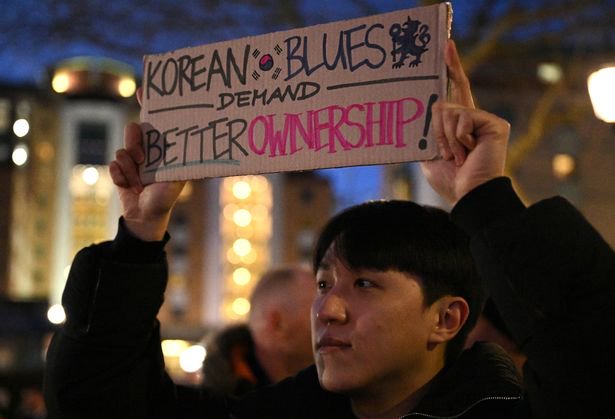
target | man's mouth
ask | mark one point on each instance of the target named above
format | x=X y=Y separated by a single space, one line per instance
x=328 y=344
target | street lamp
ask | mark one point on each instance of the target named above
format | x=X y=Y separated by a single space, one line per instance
x=601 y=86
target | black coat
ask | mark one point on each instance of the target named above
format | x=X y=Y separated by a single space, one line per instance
x=107 y=360
x=552 y=278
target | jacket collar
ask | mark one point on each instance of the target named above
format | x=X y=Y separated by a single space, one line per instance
x=482 y=373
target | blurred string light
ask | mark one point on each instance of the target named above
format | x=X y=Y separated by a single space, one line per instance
x=20 y=154
x=241 y=189
x=241 y=276
x=549 y=73
x=191 y=360
x=242 y=217
x=173 y=347
x=90 y=175
x=601 y=87
x=21 y=127
x=245 y=226
x=56 y=314
x=191 y=357
x=127 y=87
x=241 y=306
x=242 y=247
x=563 y=165
x=60 y=83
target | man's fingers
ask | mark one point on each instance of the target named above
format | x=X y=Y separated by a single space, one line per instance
x=461 y=92
x=454 y=128
x=117 y=176
x=490 y=127
x=438 y=130
x=464 y=132
x=124 y=169
x=128 y=169
x=133 y=142
x=450 y=121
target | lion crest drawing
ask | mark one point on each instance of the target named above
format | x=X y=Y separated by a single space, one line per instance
x=410 y=39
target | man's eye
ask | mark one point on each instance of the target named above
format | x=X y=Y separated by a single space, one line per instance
x=322 y=285
x=364 y=283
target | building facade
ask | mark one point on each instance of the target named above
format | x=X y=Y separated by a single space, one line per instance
x=226 y=232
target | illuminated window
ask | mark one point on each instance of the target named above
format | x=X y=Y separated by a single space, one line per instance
x=92 y=140
x=5 y=115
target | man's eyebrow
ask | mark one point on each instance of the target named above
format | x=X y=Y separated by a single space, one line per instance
x=323 y=265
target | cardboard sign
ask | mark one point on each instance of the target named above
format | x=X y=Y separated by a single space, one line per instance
x=353 y=92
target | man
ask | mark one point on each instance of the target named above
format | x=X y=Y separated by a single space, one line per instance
x=276 y=341
x=397 y=295
x=387 y=325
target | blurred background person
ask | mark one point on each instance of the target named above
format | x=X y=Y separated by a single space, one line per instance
x=32 y=405
x=491 y=328
x=275 y=342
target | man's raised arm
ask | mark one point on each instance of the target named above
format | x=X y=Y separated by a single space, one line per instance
x=106 y=361
x=550 y=273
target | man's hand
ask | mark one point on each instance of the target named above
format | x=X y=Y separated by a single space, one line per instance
x=472 y=142
x=146 y=209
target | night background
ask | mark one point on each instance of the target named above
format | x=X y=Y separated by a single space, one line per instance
x=528 y=62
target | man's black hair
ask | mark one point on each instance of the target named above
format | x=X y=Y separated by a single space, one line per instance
x=418 y=240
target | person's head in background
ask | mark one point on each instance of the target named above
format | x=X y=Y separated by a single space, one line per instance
x=397 y=293
x=279 y=320
x=491 y=328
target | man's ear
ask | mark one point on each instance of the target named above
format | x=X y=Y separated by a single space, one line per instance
x=275 y=321
x=278 y=330
x=266 y=328
x=451 y=313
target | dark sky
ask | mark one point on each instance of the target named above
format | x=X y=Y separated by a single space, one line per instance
x=38 y=33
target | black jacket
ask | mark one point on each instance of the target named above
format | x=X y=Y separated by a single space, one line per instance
x=107 y=362
x=552 y=278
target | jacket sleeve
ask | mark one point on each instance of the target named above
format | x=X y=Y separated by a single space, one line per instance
x=552 y=277
x=106 y=361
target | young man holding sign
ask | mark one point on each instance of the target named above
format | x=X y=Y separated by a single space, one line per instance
x=396 y=294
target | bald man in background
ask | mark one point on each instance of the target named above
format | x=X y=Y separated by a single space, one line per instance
x=274 y=344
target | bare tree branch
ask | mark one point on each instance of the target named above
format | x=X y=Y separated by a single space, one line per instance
x=529 y=140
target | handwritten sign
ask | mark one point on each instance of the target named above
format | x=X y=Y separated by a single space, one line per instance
x=353 y=92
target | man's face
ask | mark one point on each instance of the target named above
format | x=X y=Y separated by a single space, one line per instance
x=370 y=329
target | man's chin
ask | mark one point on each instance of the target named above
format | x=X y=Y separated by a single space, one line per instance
x=335 y=381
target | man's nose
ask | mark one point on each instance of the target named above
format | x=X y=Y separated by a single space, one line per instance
x=331 y=308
